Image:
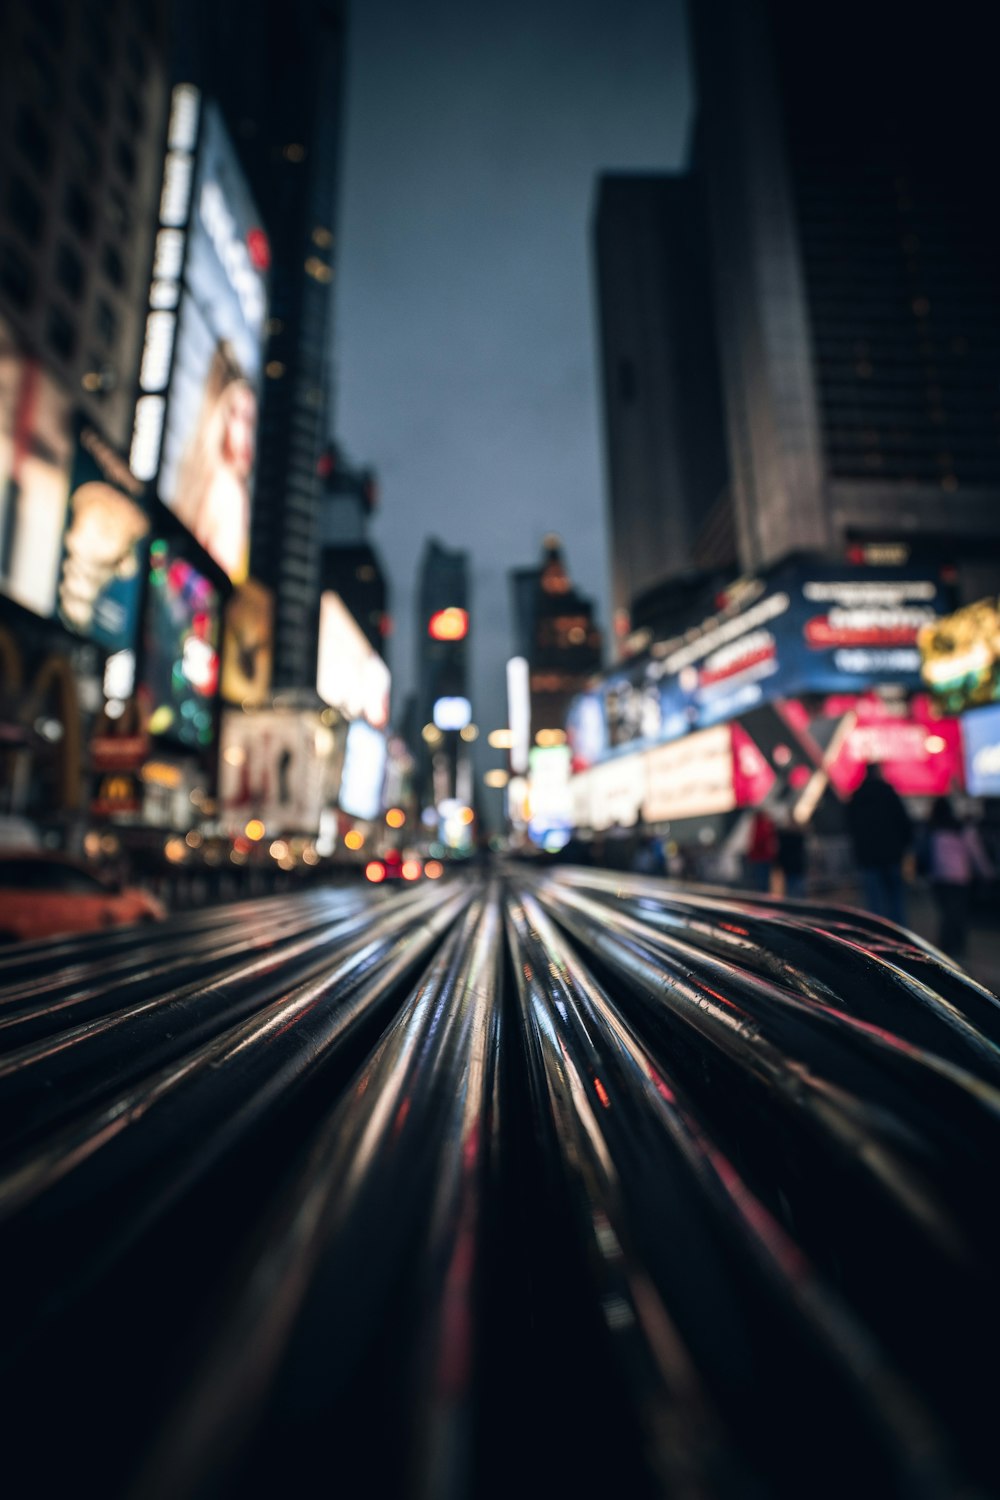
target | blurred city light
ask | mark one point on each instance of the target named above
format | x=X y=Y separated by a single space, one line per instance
x=496 y=778
x=395 y=817
x=433 y=869
x=452 y=713
x=411 y=869
x=255 y=830
x=353 y=839
x=500 y=739
x=451 y=624
x=470 y=733
x=432 y=734
x=374 y=871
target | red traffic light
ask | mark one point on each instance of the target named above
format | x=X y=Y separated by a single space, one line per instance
x=450 y=624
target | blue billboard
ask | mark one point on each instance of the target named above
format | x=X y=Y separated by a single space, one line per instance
x=806 y=626
x=981 y=748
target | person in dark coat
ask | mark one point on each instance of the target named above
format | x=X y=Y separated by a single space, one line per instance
x=881 y=833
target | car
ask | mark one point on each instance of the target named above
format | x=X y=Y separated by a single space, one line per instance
x=393 y=866
x=47 y=895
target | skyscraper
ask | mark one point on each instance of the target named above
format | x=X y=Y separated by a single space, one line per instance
x=664 y=440
x=83 y=95
x=277 y=72
x=554 y=631
x=855 y=244
x=442 y=667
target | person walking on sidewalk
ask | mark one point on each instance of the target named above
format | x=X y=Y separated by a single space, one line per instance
x=956 y=857
x=881 y=833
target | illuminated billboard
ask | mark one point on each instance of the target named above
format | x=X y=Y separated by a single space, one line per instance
x=274 y=766
x=104 y=546
x=36 y=453
x=690 y=778
x=200 y=373
x=350 y=674
x=248 y=644
x=364 y=771
x=981 y=746
x=960 y=656
x=807 y=626
x=181 y=657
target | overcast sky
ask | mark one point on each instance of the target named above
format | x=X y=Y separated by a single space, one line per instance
x=466 y=342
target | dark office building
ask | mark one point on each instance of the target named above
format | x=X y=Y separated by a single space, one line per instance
x=554 y=631
x=83 y=97
x=848 y=163
x=663 y=427
x=443 y=658
x=349 y=564
x=277 y=71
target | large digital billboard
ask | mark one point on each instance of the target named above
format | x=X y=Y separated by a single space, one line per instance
x=364 y=771
x=36 y=453
x=200 y=374
x=274 y=765
x=981 y=746
x=181 y=649
x=248 y=644
x=960 y=656
x=350 y=674
x=104 y=546
x=806 y=627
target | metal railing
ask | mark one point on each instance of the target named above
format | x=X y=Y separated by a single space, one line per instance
x=541 y=1183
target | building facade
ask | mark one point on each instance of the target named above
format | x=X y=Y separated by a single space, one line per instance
x=278 y=73
x=554 y=630
x=856 y=265
x=665 y=456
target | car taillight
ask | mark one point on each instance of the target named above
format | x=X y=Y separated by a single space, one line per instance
x=411 y=869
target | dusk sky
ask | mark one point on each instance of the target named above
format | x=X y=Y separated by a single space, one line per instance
x=466 y=341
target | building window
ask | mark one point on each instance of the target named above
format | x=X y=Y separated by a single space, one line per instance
x=125 y=159
x=133 y=111
x=45 y=75
x=60 y=333
x=51 y=14
x=93 y=95
x=107 y=323
x=69 y=271
x=79 y=210
x=119 y=216
x=626 y=381
x=34 y=141
x=17 y=278
x=85 y=151
x=136 y=57
x=25 y=208
x=112 y=266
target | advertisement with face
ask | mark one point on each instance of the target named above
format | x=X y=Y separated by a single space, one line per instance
x=181 y=649
x=36 y=451
x=100 y=576
x=210 y=431
x=247 y=645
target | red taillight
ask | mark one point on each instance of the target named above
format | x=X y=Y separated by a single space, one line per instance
x=411 y=869
x=374 y=871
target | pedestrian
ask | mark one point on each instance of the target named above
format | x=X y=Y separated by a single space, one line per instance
x=792 y=854
x=955 y=857
x=762 y=850
x=881 y=834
